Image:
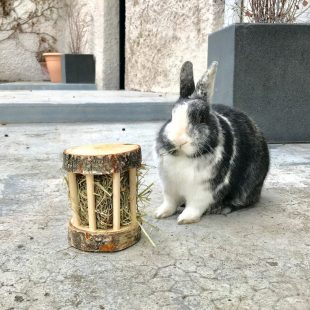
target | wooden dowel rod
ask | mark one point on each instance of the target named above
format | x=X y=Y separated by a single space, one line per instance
x=133 y=194
x=73 y=191
x=91 y=202
x=116 y=200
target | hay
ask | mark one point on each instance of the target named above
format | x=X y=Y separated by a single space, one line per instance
x=104 y=199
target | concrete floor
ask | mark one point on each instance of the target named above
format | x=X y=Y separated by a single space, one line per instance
x=252 y=259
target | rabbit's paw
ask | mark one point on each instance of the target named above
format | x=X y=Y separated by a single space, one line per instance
x=165 y=210
x=188 y=216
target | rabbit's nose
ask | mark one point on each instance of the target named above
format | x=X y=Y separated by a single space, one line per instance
x=180 y=140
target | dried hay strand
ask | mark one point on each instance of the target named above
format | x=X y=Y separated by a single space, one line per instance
x=103 y=189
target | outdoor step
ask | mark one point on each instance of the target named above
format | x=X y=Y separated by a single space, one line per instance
x=83 y=106
x=45 y=86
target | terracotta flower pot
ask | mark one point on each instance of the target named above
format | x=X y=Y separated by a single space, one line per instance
x=53 y=61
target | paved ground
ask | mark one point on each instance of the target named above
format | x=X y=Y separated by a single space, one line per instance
x=254 y=259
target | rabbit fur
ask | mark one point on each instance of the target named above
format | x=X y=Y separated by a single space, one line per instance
x=211 y=158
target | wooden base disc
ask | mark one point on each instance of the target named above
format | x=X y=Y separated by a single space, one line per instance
x=103 y=241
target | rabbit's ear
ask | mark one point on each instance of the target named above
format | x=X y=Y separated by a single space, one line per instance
x=205 y=86
x=187 y=84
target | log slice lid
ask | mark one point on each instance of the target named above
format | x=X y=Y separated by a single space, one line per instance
x=102 y=158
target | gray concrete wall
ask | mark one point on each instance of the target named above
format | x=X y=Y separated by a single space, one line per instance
x=161 y=35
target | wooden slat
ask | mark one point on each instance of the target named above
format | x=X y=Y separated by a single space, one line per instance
x=116 y=200
x=133 y=194
x=91 y=202
x=73 y=191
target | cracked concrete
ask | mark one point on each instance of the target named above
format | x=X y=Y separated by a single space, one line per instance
x=252 y=259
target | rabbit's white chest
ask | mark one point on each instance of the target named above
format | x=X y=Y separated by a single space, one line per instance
x=184 y=175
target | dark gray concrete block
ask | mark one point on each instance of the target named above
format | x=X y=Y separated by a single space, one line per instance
x=264 y=71
x=78 y=68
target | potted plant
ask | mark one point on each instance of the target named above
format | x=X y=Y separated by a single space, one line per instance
x=77 y=67
x=46 y=57
x=53 y=63
x=264 y=67
x=49 y=60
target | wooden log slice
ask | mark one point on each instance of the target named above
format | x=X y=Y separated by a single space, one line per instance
x=103 y=241
x=102 y=158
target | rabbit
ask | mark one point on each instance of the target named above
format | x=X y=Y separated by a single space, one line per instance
x=211 y=158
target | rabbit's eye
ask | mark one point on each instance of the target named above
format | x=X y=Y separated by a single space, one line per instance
x=198 y=112
x=202 y=119
x=198 y=117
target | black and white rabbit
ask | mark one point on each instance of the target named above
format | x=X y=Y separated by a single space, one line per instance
x=212 y=158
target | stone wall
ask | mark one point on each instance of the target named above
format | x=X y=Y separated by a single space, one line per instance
x=18 y=54
x=18 y=50
x=18 y=63
x=161 y=35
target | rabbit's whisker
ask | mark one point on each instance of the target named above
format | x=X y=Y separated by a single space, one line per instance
x=173 y=150
x=183 y=144
x=168 y=152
